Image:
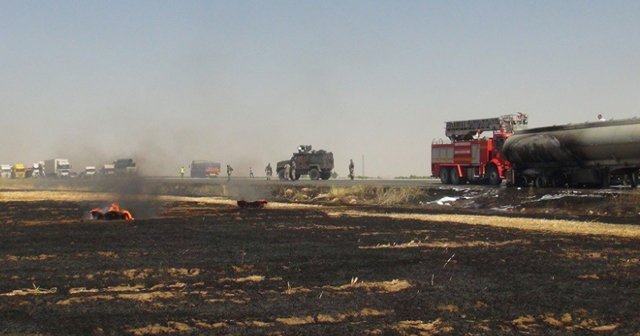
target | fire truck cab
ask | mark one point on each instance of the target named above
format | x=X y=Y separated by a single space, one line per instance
x=470 y=157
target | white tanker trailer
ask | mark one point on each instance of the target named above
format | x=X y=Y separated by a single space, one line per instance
x=589 y=154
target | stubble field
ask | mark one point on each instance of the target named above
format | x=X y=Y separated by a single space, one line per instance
x=200 y=265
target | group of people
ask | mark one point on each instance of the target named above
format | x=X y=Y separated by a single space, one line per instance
x=289 y=171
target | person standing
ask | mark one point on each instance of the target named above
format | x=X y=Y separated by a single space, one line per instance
x=250 y=172
x=182 y=172
x=229 y=170
x=287 y=171
x=268 y=171
x=351 y=168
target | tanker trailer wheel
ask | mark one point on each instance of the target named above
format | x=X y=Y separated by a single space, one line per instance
x=633 y=179
x=455 y=178
x=445 y=176
x=314 y=174
x=492 y=175
x=541 y=181
x=522 y=181
x=558 y=180
x=605 y=179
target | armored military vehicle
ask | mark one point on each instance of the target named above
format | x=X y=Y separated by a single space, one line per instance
x=315 y=163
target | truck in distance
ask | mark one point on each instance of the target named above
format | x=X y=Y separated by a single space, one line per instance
x=89 y=171
x=204 y=168
x=19 y=171
x=108 y=169
x=57 y=168
x=5 y=170
x=36 y=170
x=125 y=167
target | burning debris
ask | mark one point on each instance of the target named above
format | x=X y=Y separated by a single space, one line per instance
x=112 y=213
x=259 y=204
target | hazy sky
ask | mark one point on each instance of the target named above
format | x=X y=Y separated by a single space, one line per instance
x=246 y=82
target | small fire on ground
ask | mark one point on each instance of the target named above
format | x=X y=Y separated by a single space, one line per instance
x=114 y=212
x=259 y=204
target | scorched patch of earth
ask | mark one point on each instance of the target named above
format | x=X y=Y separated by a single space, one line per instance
x=204 y=266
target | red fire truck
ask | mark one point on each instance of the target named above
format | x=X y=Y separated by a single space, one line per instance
x=470 y=157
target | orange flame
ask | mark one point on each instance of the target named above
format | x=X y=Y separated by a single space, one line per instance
x=114 y=212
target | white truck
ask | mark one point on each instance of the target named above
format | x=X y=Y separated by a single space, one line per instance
x=108 y=169
x=5 y=170
x=57 y=168
x=37 y=170
x=89 y=171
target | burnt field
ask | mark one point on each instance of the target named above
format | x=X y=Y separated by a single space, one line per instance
x=334 y=262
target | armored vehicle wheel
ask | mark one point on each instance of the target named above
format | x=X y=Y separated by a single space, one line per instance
x=314 y=174
x=445 y=176
x=297 y=176
x=325 y=175
x=281 y=175
x=492 y=175
x=455 y=178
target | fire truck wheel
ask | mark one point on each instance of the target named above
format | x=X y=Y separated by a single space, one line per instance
x=455 y=178
x=444 y=176
x=492 y=175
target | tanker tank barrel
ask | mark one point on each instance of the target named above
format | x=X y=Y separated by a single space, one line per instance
x=589 y=154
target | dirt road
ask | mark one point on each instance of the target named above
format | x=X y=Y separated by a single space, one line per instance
x=203 y=266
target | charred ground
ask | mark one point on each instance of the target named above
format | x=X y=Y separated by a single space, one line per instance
x=332 y=266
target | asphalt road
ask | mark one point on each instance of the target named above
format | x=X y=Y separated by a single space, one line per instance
x=303 y=181
x=262 y=181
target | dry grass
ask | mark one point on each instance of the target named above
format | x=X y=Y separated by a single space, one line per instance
x=72 y=196
x=16 y=184
x=529 y=224
x=375 y=194
x=629 y=201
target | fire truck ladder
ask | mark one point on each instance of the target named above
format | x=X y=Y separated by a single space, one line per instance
x=466 y=129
